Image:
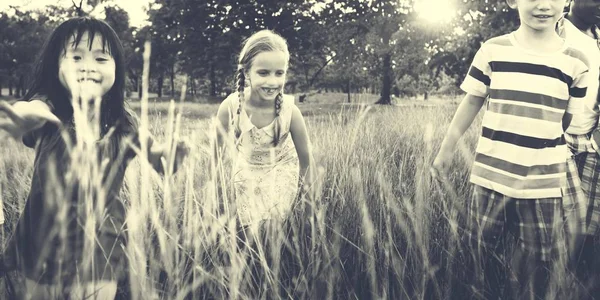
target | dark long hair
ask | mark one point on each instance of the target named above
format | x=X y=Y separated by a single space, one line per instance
x=45 y=83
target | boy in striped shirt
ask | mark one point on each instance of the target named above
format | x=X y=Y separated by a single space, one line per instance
x=534 y=82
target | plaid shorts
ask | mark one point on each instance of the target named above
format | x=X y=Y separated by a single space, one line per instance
x=575 y=202
x=537 y=224
x=588 y=167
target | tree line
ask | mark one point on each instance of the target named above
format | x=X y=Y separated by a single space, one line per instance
x=379 y=46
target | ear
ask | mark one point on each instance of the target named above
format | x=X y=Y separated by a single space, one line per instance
x=568 y=3
x=512 y=3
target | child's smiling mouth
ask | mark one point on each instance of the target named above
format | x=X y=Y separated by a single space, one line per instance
x=88 y=80
x=269 y=91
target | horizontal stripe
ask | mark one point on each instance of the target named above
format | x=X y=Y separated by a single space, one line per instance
x=518 y=184
x=525 y=111
x=525 y=104
x=514 y=193
x=577 y=92
x=531 y=84
x=529 y=68
x=529 y=98
x=479 y=75
x=519 y=170
x=521 y=155
x=541 y=129
x=521 y=140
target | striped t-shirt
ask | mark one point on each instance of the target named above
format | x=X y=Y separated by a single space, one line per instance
x=521 y=151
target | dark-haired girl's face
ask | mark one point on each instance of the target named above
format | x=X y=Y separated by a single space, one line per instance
x=84 y=71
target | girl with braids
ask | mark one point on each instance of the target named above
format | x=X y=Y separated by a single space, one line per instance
x=272 y=148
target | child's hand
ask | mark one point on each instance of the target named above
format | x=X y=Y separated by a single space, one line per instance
x=439 y=169
x=25 y=119
x=182 y=149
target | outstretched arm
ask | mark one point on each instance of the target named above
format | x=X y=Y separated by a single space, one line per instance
x=25 y=116
x=303 y=146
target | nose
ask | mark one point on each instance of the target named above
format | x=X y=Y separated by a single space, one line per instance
x=544 y=4
x=273 y=81
x=87 y=66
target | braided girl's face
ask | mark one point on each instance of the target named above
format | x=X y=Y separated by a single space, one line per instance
x=267 y=75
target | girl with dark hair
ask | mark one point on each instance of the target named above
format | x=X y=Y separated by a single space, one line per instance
x=70 y=240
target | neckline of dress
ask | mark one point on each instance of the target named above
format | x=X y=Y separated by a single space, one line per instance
x=259 y=128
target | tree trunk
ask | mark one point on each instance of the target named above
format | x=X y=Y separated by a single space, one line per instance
x=139 y=88
x=161 y=79
x=192 y=85
x=213 y=81
x=349 y=91
x=10 y=87
x=172 y=74
x=387 y=80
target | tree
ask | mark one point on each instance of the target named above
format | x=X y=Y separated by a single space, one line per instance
x=21 y=37
x=481 y=20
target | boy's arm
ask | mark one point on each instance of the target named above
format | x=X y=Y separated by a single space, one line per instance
x=467 y=110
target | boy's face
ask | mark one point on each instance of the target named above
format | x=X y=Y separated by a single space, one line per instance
x=267 y=75
x=539 y=15
x=587 y=10
x=89 y=73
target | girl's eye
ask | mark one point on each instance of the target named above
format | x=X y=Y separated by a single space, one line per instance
x=263 y=73
x=77 y=57
x=280 y=73
x=101 y=59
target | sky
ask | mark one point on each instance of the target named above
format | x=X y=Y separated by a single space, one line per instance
x=433 y=11
x=135 y=8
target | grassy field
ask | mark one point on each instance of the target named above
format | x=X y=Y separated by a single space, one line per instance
x=376 y=226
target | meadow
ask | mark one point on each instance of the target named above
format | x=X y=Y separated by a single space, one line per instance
x=373 y=225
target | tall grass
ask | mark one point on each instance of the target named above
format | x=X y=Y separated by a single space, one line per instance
x=372 y=226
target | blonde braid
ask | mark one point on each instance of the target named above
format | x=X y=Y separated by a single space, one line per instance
x=278 y=104
x=241 y=81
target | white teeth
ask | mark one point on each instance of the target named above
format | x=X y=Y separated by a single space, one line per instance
x=89 y=79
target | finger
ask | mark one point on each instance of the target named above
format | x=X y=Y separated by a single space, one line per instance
x=9 y=111
x=52 y=118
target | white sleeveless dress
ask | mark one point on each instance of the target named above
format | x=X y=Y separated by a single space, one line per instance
x=265 y=177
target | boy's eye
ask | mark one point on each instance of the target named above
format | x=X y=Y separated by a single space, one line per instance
x=101 y=59
x=76 y=57
x=263 y=73
x=280 y=73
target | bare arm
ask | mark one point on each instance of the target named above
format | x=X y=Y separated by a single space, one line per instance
x=26 y=116
x=302 y=144
x=221 y=130
x=467 y=110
